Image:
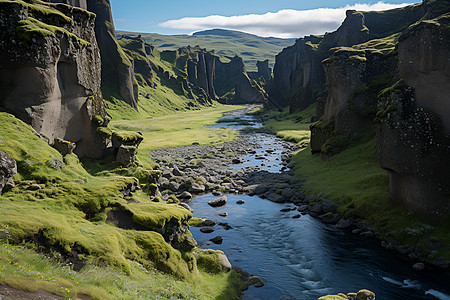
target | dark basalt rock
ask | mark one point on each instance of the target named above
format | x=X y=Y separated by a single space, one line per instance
x=51 y=80
x=8 y=168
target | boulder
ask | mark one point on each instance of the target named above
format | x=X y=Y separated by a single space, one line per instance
x=224 y=262
x=64 y=147
x=221 y=201
x=207 y=229
x=240 y=202
x=185 y=196
x=343 y=224
x=217 y=240
x=275 y=198
x=418 y=266
x=287 y=193
x=8 y=168
x=126 y=155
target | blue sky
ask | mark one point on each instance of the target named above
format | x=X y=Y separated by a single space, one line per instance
x=282 y=18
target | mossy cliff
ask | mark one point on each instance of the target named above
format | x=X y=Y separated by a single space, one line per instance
x=299 y=77
x=117 y=68
x=385 y=70
x=51 y=66
x=196 y=76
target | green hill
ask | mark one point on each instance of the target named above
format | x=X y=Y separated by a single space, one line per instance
x=225 y=42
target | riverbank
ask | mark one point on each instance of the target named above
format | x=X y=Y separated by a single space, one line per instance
x=354 y=180
x=248 y=173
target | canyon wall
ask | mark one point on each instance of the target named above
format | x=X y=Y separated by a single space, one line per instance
x=51 y=66
x=386 y=72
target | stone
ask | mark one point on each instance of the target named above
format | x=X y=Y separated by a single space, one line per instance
x=226 y=226
x=207 y=229
x=208 y=223
x=224 y=262
x=34 y=187
x=275 y=198
x=418 y=266
x=126 y=155
x=296 y=216
x=367 y=234
x=240 y=202
x=224 y=214
x=217 y=240
x=64 y=147
x=236 y=161
x=343 y=224
x=221 y=201
x=216 y=193
x=185 y=196
x=256 y=281
x=8 y=168
x=330 y=218
x=365 y=295
x=174 y=186
x=177 y=172
x=184 y=205
x=287 y=193
x=197 y=188
x=285 y=209
x=316 y=208
x=302 y=208
x=329 y=206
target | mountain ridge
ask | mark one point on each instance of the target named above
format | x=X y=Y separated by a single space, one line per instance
x=251 y=48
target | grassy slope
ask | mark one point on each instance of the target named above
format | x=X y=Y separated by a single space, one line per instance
x=68 y=214
x=250 y=47
x=355 y=179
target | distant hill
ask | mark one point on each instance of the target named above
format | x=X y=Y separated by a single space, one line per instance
x=225 y=42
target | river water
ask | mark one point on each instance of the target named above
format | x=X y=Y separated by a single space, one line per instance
x=304 y=258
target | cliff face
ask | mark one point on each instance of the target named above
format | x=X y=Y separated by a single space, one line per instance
x=413 y=131
x=299 y=77
x=201 y=71
x=401 y=82
x=117 y=68
x=51 y=68
x=264 y=71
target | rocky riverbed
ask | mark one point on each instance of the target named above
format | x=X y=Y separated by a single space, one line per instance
x=256 y=166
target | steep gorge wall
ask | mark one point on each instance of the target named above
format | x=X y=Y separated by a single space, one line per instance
x=51 y=68
x=299 y=78
x=117 y=68
x=413 y=129
x=400 y=82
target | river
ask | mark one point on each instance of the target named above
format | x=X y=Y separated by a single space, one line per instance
x=303 y=258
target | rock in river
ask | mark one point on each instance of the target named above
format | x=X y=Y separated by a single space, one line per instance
x=207 y=229
x=221 y=201
x=217 y=240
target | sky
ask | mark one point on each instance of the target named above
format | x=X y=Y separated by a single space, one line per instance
x=277 y=18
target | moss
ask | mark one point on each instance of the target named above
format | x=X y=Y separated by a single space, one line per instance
x=29 y=27
x=39 y=7
x=209 y=261
x=395 y=89
x=335 y=144
x=327 y=126
x=98 y=120
x=105 y=131
x=157 y=215
x=127 y=136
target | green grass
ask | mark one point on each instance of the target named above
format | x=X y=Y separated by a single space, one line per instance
x=25 y=269
x=68 y=216
x=250 y=47
x=290 y=127
x=179 y=129
x=354 y=179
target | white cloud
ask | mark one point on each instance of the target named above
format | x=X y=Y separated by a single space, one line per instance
x=285 y=23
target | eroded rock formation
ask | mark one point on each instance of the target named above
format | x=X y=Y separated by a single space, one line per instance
x=413 y=131
x=51 y=68
x=8 y=168
x=117 y=68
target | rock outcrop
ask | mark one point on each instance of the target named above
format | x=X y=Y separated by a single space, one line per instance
x=201 y=71
x=413 y=132
x=264 y=71
x=51 y=68
x=400 y=82
x=299 y=77
x=117 y=68
x=8 y=168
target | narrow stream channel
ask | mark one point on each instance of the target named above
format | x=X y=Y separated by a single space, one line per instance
x=303 y=258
